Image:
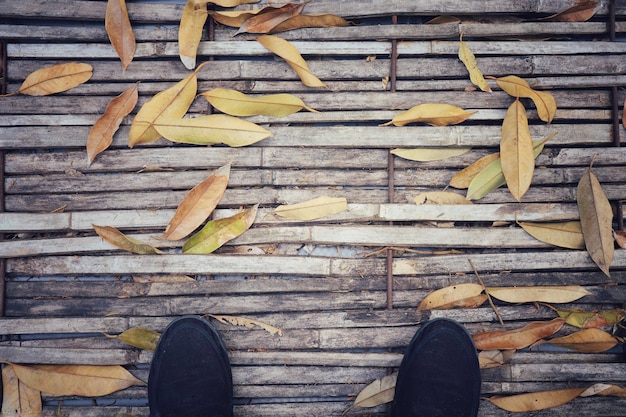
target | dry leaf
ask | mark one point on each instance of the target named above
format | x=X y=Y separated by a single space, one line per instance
x=463 y=178
x=604 y=390
x=55 y=79
x=120 y=31
x=190 y=31
x=460 y=295
x=588 y=340
x=429 y=154
x=590 y=319
x=518 y=338
x=18 y=399
x=535 y=401
x=101 y=134
x=469 y=60
x=210 y=130
x=562 y=234
x=290 y=54
x=229 y=3
x=248 y=323
x=83 y=380
x=516 y=151
x=140 y=338
x=268 y=20
x=517 y=87
x=440 y=197
x=378 y=392
x=581 y=12
x=238 y=104
x=217 y=232
x=494 y=358
x=596 y=220
x=310 y=21
x=443 y=20
x=434 y=114
x=171 y=103
x=233 y=18
x=491 y=176
x=545 y=294
x=313 y=209
x=620 y=238
x=117 y=238
x=198 y=204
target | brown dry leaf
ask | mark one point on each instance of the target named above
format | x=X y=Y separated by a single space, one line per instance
x=604 y=390
x=229 y=3
x=268 y=20
x=517 y=87
x=620 y=238
x=83 y=380
x=516 y=151
x=198 y=204
x=469 y=60
x=292 y=56
x=440 y=197
x=101 y=134
x=494 y=358
x=117 y=238
x=460 y=295
x=248 y=323
x=18 y=399
x=120 y=31
x=310 y=21
x=463 y=178
x=545 y=294
x=588 y=340
x=236 y=103
x=428 y=154
x=170 y=103
x=381 y=391
x=535 y=401
x=140 y=338
x=190 y=31
x=217 y=232
x=234 y=18
x=590 y=319
x=434 y=114
x=55 y=79
x=518 y=338
x=581 y=12
x=596 y=220
x=562 y=234
x=313 y=209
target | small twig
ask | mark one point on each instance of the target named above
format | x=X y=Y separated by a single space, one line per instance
x=493 y=306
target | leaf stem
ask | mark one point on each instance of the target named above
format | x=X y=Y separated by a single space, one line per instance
x=493 y=306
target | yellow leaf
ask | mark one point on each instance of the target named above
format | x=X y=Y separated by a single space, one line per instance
x=588 y=340
x=313 y=209
x=171 y=103
x=545 y=294
x=590 y=319
x=292 y=56
x=596 y=220
x=55 y=79
x=18 y=399
x=217 y=232
x=248 y=323
x=117 y=238
x=101 y=134
x=140 y=338
x=518 y=338
x=190 y=31
x=381 y=391
x=494 y=358
x=210 y=130
x=434 y=114
x=83 y=380
x=440 y=197
x=120 y=31
x=517 y=87
x=233 y=18
x=604 y=390
x=452 y=296
x=198 y=204
x=463 y=178
x=469 y=60
x=516 y=151
x=310 y=21
x=270 y=18
x=238 y=104
x=535 y=401
x=563 y=234
x=429 y=154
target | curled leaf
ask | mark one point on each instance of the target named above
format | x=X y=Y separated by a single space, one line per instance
x=429 y=154
x=238 y=104
x=545 y=294
x=117 y=238
x=313 y=209
x=56 y=78
x=310 y=21
x=517 y=87
x=440 y=197
x=590 y=319
x=120 y=31
x=604 y=390
x=267 y=20
x=494 y=358
x=210 y=130
x=190 y=31
x=518 y=338
x=589 y=340
x=620 y=238
x=516 y=151
x=469 y=60
x=234 y=18
x=381 y=391
x=140 y=338
x=292 y=56
x=101 y=134
x=248 y=323
x=535 y=401
x=434 y=114
x=460 y=295
x=198 y=204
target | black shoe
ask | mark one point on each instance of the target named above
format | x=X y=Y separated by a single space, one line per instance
x=439 y=375
x=190 y=374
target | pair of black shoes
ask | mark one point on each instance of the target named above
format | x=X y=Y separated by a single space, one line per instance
x=190 y=374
